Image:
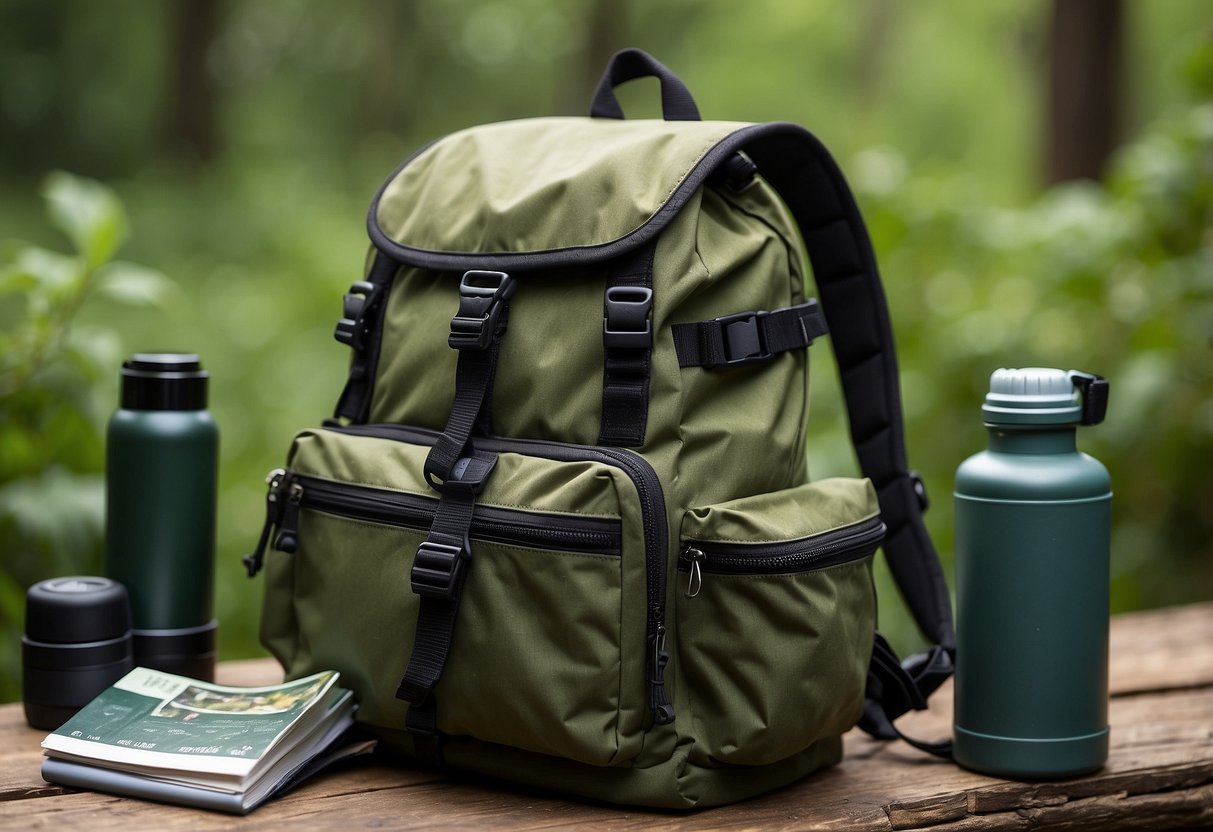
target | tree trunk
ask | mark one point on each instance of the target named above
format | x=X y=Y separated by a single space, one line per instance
x=605 y=33
x=1084 y=87
x=192 y=127
x=391 y=74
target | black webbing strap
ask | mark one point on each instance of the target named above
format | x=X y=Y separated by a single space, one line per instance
x=852 y=298
x=438 y=574
x=894 y=688
x=627 y=346
x=627 y=64
x=458 y=471
x=359 y=328
x=476 y=332
x=748 y=337
x=799 y=167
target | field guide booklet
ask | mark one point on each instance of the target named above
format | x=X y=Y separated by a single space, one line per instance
x=164 y=737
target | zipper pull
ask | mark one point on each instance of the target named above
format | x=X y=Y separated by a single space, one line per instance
x=694 y=558
x=663 y=711
x=253 y=560
x=288 y=530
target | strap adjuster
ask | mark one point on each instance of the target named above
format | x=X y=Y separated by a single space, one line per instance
x=438 y=569
x=625 y=321
x=743 y=338
x=480 y=306
x=351 y=328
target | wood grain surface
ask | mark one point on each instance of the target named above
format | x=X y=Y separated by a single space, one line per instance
x=1159 y=774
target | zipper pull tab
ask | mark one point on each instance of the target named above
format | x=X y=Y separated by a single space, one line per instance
x=288 y=531
x=253 y=560
x=663 y=711
x=694 y=558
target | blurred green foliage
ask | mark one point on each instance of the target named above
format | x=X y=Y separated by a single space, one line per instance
x=935 y=110
x=1113 y=278
x=52 y=409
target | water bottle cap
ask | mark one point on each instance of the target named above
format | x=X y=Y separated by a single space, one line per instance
x=163 y=381
x=1032 y=396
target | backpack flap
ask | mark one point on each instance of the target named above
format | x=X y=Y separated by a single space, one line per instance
x=542 y=193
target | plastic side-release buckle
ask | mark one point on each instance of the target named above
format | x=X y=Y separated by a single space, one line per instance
x=743 y=338
x=482 y=296
x=626 y=323
x=438 y=569
x=356 y=303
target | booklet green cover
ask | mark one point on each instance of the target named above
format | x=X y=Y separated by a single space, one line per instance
x=166 y=737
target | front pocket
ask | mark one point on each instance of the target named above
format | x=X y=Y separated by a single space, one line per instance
x=552 y=611
x=776 y=612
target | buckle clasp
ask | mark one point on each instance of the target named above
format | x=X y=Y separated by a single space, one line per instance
x=438 y=569
x=480 y=308
x=356 y=303
x=743 y=338
x=625 y=323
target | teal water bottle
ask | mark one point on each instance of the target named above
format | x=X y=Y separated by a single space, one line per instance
x=161 y=473
x=1032 y=561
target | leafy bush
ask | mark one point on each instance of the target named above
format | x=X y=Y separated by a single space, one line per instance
x=1113 y=278
x=53 y=373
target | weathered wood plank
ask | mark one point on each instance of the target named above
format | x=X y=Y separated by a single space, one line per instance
x=1150 y=771
x=1161 y=649
x=1160 y=773
x=20 y=758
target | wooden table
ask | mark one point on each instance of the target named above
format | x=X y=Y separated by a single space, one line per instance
x=1159 y=776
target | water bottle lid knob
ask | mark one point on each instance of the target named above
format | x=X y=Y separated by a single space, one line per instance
x=1041 y=396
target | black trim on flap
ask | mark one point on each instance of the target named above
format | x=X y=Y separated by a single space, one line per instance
x=460 y=261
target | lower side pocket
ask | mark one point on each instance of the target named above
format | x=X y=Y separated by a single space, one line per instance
x=776 y=616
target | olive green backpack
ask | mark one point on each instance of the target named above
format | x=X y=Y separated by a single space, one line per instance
x=560 y=530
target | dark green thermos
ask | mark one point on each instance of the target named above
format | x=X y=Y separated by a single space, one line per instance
x=1032 y=561
x=161 y=459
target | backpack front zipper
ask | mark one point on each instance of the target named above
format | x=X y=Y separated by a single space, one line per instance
x=555 y=532
x=806 y=554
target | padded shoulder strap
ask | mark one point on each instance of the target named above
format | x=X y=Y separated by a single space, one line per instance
x=799 y=167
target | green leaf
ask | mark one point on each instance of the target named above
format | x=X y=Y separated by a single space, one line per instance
x=14 y=281
x=136 y=285
x=72 y=530
x=93 y=353
x=55 y=274
x=89 y=213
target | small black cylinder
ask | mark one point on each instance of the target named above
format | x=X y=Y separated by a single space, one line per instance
x=77 y=643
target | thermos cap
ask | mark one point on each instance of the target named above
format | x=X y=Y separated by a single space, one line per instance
x=1032 y=396
x=77 y=642
x=163 y=381
x=76 y=610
